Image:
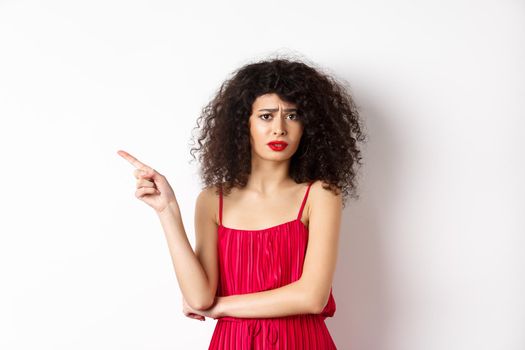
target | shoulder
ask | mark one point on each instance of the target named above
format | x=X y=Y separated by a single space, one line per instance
x=208 y=201
x=207 y=195
x=322 y=198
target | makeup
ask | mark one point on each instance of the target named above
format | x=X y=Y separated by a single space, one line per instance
x=277 y=145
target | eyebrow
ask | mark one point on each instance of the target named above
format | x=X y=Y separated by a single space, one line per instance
x=276 y=109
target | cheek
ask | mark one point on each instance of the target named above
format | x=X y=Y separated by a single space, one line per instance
x=254 y=138
x=298 y=134
x=257 y=132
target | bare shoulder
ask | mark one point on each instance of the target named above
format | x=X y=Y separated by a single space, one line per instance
x=322 y=199
x=209 y=193
x=208 y=200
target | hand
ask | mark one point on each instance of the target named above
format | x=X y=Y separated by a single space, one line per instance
x=190 y=312
x=152 y=187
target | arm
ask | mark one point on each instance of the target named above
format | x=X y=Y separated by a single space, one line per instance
x=291 y=299
x=196 y=272
x=310 y=293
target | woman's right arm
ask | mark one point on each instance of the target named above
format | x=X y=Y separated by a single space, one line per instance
x=197 y=272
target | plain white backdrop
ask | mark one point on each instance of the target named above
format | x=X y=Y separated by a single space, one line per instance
x=431 y=255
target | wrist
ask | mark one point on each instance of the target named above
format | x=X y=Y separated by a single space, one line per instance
x=170 y=209
x=221 y=307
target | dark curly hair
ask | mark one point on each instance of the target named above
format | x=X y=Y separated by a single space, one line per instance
x=328 y=149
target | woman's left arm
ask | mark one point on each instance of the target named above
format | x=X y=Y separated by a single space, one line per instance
x=310 y=293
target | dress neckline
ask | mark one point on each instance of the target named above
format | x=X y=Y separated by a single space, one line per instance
x=267 y=228
x=298 y=218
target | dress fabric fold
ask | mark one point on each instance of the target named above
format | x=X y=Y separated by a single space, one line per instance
x=257 y=260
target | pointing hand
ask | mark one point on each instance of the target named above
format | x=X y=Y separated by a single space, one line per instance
x=152 y=187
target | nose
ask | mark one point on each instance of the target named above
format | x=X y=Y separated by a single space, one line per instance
x=278 y=128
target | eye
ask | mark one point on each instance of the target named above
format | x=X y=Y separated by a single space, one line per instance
x=295 y=117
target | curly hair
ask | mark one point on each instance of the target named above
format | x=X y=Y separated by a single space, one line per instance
x=328 y=149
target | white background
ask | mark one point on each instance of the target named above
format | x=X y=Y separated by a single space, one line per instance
x=431 y=255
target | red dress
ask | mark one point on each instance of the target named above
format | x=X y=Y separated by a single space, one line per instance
x=256 y=260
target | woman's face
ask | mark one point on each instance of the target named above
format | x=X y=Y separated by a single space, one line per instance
x=273 y=119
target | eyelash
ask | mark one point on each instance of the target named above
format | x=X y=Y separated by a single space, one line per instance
x=294 y=114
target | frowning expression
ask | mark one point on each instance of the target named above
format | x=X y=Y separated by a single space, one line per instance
x=274 y=119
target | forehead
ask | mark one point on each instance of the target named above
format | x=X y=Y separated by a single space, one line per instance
x=271 y=100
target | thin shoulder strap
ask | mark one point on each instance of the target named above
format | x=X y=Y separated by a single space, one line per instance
x=304 y=201
x=220 y=206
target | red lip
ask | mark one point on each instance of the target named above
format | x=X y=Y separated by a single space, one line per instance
x=277 y=145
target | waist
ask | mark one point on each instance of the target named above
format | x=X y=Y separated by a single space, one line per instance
x=316 y=317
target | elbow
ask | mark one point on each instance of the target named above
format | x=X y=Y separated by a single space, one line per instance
x=316 y=308
x=317 y=304
x=204 y=304
x=202 y=300
x=315 y=299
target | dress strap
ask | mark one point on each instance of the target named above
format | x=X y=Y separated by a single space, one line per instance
x=220 y=206
x=304 y=201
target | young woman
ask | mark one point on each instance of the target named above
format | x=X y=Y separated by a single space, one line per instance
x=279 y=156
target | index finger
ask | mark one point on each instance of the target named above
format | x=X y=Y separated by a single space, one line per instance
x=134 y=161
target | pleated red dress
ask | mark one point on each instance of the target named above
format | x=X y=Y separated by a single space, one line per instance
x=251 y=261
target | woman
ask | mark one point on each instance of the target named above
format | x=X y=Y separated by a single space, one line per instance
x=279 y=154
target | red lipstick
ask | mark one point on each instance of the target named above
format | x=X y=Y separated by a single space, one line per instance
x=277 y=145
